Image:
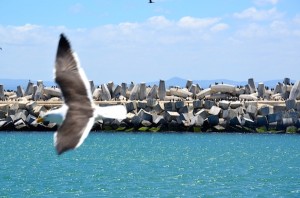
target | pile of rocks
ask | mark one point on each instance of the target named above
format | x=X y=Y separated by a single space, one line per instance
x=221 y=107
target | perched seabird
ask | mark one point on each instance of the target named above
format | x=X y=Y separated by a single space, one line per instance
x=78 y=113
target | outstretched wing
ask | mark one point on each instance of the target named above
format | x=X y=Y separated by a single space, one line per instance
x=77 y=96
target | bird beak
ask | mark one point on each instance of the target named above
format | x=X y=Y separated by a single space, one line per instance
x=39 y=120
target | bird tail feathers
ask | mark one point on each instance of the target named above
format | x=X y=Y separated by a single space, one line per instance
x=115 y=112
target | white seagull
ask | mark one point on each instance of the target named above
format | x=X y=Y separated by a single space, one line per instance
x=78 y=113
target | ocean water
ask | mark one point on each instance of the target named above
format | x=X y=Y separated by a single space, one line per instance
x=152 y=165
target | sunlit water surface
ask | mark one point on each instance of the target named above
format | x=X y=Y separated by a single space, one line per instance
x=152 y=165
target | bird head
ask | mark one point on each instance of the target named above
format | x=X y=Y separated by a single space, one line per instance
x=50 y=117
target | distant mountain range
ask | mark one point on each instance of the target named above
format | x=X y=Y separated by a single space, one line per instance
x=11 y=84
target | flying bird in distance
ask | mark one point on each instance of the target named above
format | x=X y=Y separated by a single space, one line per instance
x=77 y=115
x=150 y=1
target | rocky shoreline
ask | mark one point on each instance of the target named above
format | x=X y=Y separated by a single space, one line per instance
x=220 y=108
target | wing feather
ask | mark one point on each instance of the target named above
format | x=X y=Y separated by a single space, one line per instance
x=76 y=93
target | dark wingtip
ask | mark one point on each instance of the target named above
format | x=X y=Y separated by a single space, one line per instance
x=63 y=45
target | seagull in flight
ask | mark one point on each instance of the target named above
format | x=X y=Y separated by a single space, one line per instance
x=77 y=115
x=150 y=1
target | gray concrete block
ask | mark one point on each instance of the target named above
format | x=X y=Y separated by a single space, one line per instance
x=142 y=91
x=2 y=114
x=290 y=104
x=217 y=96
x=111 y=87
x=171 y=115
x=224 y=114
x=287 y=81
x=20 y=125
x=251 y=85
x=274 y=117
x=144 y=115
x=38 y=109
x=197 y=120
x=97 y=94
x=158 y=108
x=265 y=110
x=4 y=107
x=279 y=108
x=247 y=89
x=222 y=88
x=169 y=106
x=38 y=95
x=183 y=93
x=198 y=104
x=136 y=120
x=141 y=104
x=159 y=119
x=179 y=104
x=295 y=91
x=194 y=89
x=19 y=115
x=203 y=113
x=252 y=110
x=235 y=104
x=234 y=121
x=203 y=93
x=30 y=119
x=20 y=92
x=153 y=92
x=92 y=86
x=161 y=90
x=224 y=104
x=124 y=89
x=213 y=120
x=151 y=102
x=291 y=114
x=130 y=106
x=2 y=96
x=184 y=109
x=250 y=97
x=261 y=90
x=208 y=104
x=214 y=110
x=261 y=121
x=52 y=92
x=29 y=89
x=30 y=105
x=117 y=91
x=146 y=123
x=105 y=93
x=134 y=94
x=287 y=122
x=188 y=84
x=232 y=113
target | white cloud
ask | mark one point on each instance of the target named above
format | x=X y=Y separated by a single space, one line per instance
x=26 y=27
x=265 y=2
x=159 y=21
x=258 y=15
x=191 y=22
x=219 y=27
x=253 y=30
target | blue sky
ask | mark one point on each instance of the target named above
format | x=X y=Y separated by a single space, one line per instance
x=132 y=40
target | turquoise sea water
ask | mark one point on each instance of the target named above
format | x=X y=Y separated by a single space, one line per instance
x=152 y=165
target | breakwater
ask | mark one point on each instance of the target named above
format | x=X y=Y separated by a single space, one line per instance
x=219 y=108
